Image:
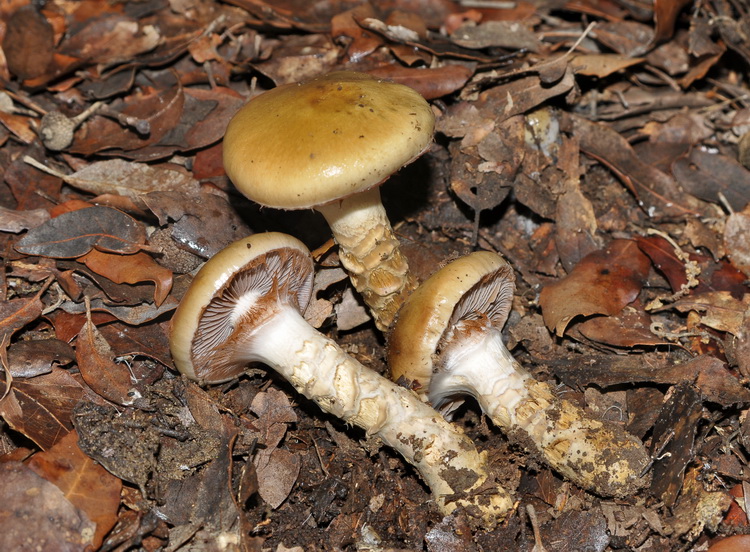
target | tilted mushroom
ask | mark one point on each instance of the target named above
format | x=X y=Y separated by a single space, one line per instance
x=245 y=304
x=447 y=344
x=328 y=144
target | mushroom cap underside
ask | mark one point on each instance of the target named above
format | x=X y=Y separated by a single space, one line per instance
x=227 y=283
x=479 y=283
x=301 y=145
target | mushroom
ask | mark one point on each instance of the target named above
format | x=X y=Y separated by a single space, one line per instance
x=328 y=144
x=245 y=304
x=447 y=344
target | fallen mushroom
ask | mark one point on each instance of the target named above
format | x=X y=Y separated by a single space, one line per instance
x=245 y=304
x=447 y=344
x=328 y=144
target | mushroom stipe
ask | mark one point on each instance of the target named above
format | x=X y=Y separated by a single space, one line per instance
x=328 y=144
x=245 y=305
x=447 y=343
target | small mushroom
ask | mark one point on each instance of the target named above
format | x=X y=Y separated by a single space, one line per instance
x=328 y=144
x=447 y=344
x=245 y=304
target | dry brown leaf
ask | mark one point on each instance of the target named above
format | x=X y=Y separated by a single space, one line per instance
x=277 y=469
x=28 y=43
x=737 y=240
x=34 y=357
x=432 y=83
x=87 y=485
x=601 y=65
x=98 y=368
x=130 y=179
x=75 y=233
x=699 y=507
x=658 y=193
x=131 y=269
x=604 y=282
x=16 y=221
x=629 y=328
x=359 y=42
x=32 y=507
x=130 y=315
x=41 y=407
x=513 y=35
x=718 y=309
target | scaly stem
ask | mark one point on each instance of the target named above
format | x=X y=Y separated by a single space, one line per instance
x=370 y=252
x=596 y=455
x=317 y=367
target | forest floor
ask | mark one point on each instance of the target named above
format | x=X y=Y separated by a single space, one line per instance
x=600 y=146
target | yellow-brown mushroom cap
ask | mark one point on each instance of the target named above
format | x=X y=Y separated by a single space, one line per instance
x=427 y=314
x=301 y=145
x=215 y=280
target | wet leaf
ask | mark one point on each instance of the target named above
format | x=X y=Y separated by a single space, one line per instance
x=74 y=234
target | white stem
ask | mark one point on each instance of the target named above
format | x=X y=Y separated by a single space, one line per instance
x=319 y=369
x=596 y=455
x=370 y=252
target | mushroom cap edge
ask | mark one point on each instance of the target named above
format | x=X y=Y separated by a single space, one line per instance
x=425 y=315
x=212 y=277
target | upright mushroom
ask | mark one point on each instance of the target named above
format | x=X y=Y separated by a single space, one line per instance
x=328 y=144
x=245 y=306
x=447 y=344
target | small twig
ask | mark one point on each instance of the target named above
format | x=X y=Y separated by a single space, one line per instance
x=538 y=546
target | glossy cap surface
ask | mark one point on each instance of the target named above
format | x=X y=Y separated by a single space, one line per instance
x=301 y=145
